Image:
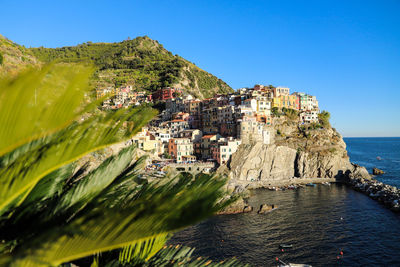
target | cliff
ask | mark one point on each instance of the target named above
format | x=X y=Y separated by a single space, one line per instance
x=296 y=154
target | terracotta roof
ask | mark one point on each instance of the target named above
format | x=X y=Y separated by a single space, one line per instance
x=177 y=120
x=208 y=136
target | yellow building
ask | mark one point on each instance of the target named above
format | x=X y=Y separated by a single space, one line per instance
x=147 y=142
x=286 y=101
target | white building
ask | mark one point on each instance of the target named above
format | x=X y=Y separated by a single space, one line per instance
x=250 y=104
x=226 y=150
x=309 y=116
x=278 y=91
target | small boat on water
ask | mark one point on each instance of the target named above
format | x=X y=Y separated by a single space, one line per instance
x=283 y=264
x=285 y=246
x=294 y=265
x=326 y=183
x=311 y=184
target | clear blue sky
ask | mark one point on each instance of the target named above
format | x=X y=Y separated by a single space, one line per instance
x=347 y=53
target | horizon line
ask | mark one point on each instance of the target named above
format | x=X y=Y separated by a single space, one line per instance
x=371 y=136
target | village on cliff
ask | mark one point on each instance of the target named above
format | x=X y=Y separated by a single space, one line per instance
x=207 y=132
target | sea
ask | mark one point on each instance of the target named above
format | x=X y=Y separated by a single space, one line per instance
x=326 y=225
x=380 y=152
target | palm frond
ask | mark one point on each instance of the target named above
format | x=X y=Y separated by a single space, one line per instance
x=181 y=256
x=39 y=102
x=96 y=181
x=50 y=186
x=156 y=209
x=139 y=252
x=45 y=155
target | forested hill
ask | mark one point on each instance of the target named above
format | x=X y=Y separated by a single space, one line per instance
x=142 y=62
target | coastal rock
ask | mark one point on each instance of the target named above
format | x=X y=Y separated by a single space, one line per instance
x=273 y=162
x=248 y=209
x=281 y=162
x=239 y=206
x=385 y=194
x=295 y=153
x=376 y=171
x=264 y=208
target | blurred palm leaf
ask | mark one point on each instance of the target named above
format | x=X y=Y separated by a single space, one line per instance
x=153 y=211
x=140 y=252
x=49 y=212
x=178 y=256
x=47 y=154
x=39 y=102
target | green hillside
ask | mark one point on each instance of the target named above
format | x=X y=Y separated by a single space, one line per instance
x=14 y=57
x=142 y=62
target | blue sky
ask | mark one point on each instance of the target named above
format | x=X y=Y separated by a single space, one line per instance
x=347 y=53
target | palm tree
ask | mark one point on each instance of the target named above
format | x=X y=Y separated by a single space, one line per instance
x=54 y=209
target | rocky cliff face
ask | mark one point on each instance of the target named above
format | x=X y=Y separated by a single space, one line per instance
x=297 y=152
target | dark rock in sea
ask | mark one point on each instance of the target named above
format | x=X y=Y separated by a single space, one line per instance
x=240 y=206
x=248 y=209
x=376 y=171
x=264 y=208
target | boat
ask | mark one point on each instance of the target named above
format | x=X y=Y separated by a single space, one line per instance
x=284 y=264
x=294 y=265
x=310 y=184
x=285 y=246
x=326 y=183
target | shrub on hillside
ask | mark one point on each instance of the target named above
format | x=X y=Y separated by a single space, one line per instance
x=324 y=117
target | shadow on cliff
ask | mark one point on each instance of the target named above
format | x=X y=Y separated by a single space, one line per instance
x=342 y=177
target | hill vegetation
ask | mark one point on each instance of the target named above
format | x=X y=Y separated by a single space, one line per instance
x=142 y=62
x=14 y=57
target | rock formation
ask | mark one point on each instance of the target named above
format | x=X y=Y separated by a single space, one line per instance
x=297 y=152
x=239 y=206
x=265 y=208
x=376 y=171
x=386 y=194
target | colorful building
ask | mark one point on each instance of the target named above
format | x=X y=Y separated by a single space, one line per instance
x=222 y=150
x=180 y=149
x=166 y=93
x=286 y=101
x=306 y=102
x=206 y=142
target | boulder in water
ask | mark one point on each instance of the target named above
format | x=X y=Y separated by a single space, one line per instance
x=376 y=171
x=247 y=209
x=264 y=208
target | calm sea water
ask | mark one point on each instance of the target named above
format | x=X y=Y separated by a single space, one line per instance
x=364 y=151
x=319 y=222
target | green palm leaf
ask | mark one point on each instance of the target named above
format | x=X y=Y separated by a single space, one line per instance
x=181 y=256
x=156 y=209
x=49 y=153
x=39 y=102
x=86 y=189
x=48 y=216
x=139 y=252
